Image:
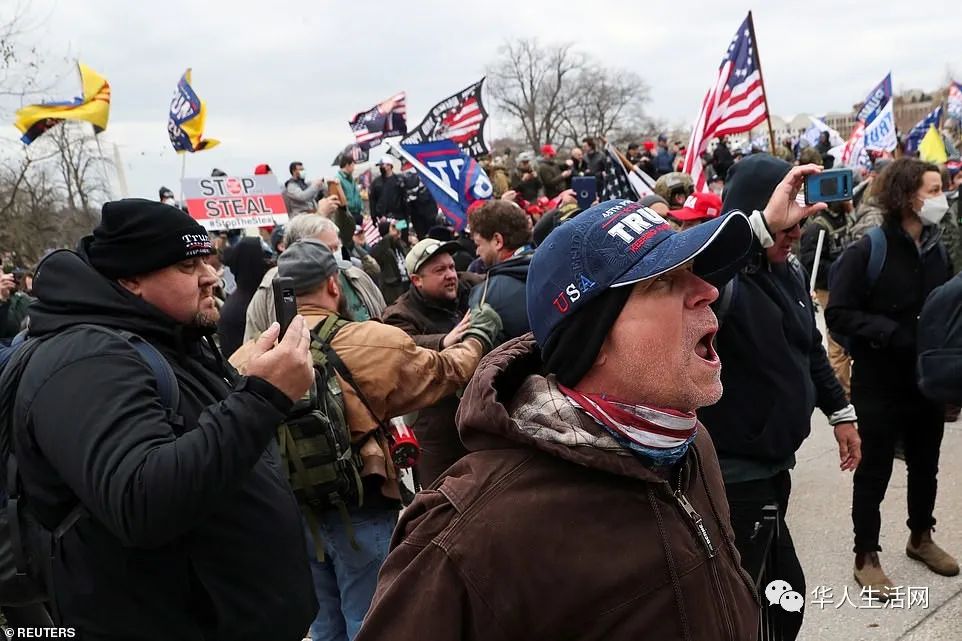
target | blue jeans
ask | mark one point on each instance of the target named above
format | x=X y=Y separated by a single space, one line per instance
x=345 y=580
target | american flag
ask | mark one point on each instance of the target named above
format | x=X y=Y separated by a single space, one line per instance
x=460 y=118
x=618 y=183
x=735 y=103
x=389 y=118
x=371 y=235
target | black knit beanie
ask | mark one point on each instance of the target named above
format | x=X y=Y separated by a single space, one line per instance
x=571 y=349
x=137 y=236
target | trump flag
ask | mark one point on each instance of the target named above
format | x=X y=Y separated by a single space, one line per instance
x=454 y=179
x=185 y=124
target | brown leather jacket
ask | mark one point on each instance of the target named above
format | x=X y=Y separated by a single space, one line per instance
x=428 y=322
x=549 y=529
x=395 y=375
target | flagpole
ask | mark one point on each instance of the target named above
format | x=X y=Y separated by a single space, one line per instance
x=761 y=80
x=183 y=171
x=108 y=188
x=119 y=170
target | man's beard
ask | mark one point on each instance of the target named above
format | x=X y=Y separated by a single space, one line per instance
x=206 y=319
x=343 y=310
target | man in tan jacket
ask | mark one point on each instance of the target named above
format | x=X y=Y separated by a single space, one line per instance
x=396 y=377
x=364 y=298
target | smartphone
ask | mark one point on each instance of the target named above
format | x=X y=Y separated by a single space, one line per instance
x=829 y=186
x=586 y=190
x=285 y=302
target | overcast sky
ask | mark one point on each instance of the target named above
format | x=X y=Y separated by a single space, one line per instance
x=282 y=79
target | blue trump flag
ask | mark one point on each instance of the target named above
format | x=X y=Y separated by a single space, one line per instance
x=918 y=132
x=454 y=179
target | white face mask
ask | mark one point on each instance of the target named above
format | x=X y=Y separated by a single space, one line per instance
x=934 y=208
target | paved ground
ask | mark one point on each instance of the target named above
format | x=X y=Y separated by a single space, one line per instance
x=820 y=521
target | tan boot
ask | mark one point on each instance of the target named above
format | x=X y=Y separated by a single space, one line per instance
x=922 y=548
x=869 y=574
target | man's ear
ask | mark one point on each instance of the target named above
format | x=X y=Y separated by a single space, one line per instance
x=416 y=280
x=498 y=241
x=333 y=286
x=134 y=285
x=602 y=356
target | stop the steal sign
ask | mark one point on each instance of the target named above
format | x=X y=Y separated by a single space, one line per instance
x=233 y=202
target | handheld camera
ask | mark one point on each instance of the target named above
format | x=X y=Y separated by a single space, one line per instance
x=829 y=186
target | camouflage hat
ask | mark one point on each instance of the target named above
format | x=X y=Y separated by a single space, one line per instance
x=674 y=183
x=810 y=155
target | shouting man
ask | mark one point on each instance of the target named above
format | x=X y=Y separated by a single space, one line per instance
x=589 y=479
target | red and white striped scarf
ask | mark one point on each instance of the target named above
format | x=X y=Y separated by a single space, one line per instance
x=649 y=427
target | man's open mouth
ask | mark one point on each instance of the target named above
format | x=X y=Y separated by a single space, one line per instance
x=705 y=348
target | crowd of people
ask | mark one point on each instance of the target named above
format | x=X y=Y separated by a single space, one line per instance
x=198 y=468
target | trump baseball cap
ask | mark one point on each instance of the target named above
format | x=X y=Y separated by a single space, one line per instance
x=619 y=243
x=701 y=205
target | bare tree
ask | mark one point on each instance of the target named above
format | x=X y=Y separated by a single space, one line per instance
x=603 y=102
x=81 y=164
x=33 y=218
x=555 y=94
x=530 y=84
x=49 y=197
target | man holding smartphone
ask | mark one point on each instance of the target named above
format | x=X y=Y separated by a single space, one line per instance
x=392 y=376
x=183 y=528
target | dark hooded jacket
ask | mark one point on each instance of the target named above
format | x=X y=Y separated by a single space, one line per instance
x=506 y=293
x=774 y=368
x=248 y=263
x=191 y=532
x=428 y=322
x=549 y=529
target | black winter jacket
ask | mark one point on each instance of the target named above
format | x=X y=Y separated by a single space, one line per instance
x=774 y=368
x=192 y=531
x=881 y=321
x=506 y=293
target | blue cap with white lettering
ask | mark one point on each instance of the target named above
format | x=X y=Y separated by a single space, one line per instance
x=618 y=243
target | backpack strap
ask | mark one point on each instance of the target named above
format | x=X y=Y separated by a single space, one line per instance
x=876 y=258
x=167 y=385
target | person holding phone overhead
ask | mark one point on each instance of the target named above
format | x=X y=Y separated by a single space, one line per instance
x=775 y=374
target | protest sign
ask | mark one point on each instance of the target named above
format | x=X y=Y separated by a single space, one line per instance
x=234 y=202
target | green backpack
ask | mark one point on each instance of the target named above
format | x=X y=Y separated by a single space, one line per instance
x=323 y=467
